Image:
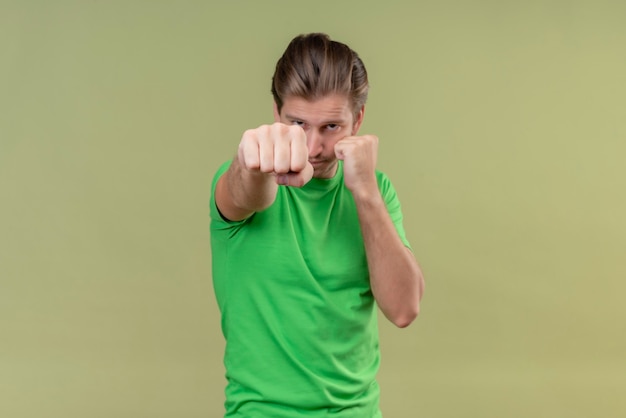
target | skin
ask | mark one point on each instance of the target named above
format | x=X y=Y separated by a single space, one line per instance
x=307 y=140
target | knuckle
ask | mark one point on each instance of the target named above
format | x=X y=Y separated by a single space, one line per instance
x=296 y=131
x=298 y=165
x=249 y=164
x=281 y=168
x=248 y=136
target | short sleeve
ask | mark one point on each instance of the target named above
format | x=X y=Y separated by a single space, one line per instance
x=218 y=222
x=394 y=208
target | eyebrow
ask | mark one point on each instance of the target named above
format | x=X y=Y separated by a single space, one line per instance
x=327 y=122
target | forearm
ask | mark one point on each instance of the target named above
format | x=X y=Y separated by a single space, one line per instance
x=241 y=192
x=395 y=276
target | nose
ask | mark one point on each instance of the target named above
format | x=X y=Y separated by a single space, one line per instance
x=314 y=143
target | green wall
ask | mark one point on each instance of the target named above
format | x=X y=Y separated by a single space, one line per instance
x=502 y=125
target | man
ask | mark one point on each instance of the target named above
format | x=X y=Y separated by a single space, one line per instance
x=307 y=240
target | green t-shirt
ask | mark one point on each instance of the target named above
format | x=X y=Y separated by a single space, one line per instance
x=298 y=314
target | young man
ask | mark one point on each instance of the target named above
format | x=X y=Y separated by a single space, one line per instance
x=307 y=239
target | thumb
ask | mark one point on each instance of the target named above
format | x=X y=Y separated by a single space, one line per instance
x=339 y=151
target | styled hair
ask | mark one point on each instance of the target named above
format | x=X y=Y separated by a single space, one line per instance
x=314 y=66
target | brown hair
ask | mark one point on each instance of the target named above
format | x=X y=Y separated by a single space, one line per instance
x=314 y=66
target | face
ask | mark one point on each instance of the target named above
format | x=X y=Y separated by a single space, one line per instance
x=325 y=121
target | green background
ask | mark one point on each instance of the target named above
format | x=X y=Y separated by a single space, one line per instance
x=502 y=125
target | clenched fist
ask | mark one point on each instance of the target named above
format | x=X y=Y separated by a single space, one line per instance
x=359 y=155
x=279 y=150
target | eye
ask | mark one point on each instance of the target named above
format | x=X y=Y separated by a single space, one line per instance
x=332 y=126
x=298 y=122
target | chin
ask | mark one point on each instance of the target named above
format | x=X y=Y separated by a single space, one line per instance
x=325 y=171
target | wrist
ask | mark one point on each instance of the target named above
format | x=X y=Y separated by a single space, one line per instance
x=367 y=194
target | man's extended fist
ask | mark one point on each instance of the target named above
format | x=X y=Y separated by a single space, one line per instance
x=279 y=150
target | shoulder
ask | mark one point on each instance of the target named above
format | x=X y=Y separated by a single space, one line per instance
x=384 y=183
x=221 y=170
x=217 y=220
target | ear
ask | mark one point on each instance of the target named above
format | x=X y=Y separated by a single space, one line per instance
x=358 y=120
x=276 y=113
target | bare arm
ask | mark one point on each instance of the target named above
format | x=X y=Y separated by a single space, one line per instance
x=395 y=276
x=240 y=192
x=267 y=156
